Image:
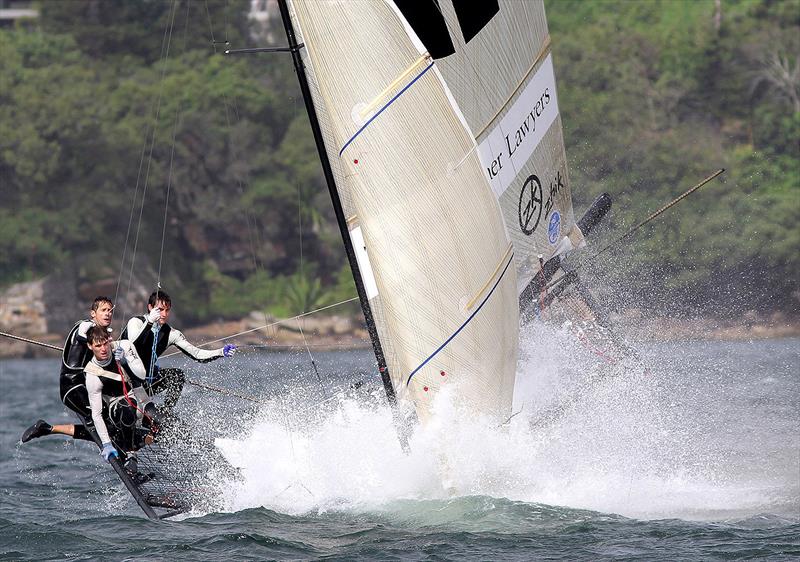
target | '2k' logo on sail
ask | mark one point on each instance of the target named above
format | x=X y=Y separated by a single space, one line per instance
x=530 y=205
x=531 y=201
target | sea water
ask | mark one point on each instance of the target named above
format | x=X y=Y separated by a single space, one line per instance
x=695 y=455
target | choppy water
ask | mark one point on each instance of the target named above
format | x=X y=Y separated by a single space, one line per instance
x=700 y=458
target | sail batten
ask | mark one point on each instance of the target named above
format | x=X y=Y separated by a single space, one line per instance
x=543 y=52
x=474 y=313
x=384 y=107
x=423 y=60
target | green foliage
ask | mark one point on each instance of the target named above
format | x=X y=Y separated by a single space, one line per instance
x=97 y=118
x=118 y=29
x=657 y=95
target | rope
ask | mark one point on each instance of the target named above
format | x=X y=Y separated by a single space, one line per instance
x=34 y=342
x=270 y=325
x=652 y=216
x=153 y=352
x=190 y=381
x=130 y=402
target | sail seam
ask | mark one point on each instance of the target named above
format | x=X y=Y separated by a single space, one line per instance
x=382 y=109
x=545 y=50
x=468 y=320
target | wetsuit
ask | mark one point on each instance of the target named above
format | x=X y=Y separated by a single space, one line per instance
x=139 y=332
x=72 y=384
x=115 y=415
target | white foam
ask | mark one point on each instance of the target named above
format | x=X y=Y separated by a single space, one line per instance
x=624 y=448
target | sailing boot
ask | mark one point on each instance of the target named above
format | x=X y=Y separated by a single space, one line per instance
x=39 y=429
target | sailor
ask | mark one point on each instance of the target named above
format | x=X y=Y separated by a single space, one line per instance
x=74 y=358
x=151 y=335
x=120 y=407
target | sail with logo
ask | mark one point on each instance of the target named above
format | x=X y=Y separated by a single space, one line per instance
x=438 y=129
x=501 y=76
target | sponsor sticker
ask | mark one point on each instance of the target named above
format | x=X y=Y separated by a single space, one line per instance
x=530 y=205
x=554 y=227
x=507 y=146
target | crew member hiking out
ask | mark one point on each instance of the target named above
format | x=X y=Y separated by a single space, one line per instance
x=72 y=385
x=123 y=414
x=151 y=335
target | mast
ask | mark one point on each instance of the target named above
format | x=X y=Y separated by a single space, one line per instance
x=341 y=220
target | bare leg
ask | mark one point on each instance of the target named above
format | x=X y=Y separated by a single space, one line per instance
x=65 y=429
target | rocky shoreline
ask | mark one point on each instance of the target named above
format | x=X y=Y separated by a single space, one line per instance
x=749 y=327
x=43 y=311
x=256 y=330
x=328 y=333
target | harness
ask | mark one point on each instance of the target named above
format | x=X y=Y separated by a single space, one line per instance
x=150 y=344
x=120 y=390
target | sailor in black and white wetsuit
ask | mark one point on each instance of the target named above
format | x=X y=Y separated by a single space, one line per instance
x=72 y=387
x=117 y=398
x=151 y=335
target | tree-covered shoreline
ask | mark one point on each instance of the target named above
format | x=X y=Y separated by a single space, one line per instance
x=654 y=96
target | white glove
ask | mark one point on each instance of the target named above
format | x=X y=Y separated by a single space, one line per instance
x=119 y=354
x=154 y=315
x=108 y=452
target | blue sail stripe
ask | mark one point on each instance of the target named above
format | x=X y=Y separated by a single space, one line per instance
x=390 y=102
x=441 y=347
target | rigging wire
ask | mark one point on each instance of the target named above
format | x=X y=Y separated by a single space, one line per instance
x=271 y=324
x=253 y=233
x=231 y=106
x=165 y=41
x=632 y=230
x=171 y=161
x=164 y=59
x=34 y=342
x=308 y=350
x=203 y=385
x=206 y=386
x=130 y=223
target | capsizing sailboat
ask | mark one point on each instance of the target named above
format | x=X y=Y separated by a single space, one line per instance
x=440 y=138
x=439 y=132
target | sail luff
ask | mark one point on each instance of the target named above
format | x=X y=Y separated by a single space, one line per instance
x=341 y=220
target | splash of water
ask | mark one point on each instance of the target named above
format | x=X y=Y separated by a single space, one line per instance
x=623 y=446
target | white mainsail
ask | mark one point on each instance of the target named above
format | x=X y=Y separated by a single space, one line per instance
x=502 y=79
x=427 y=230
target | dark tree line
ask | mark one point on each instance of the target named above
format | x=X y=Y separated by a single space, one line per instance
x=105 y=104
